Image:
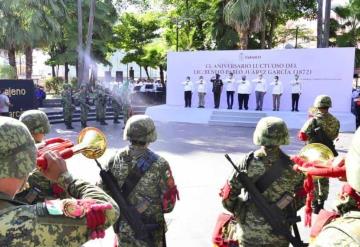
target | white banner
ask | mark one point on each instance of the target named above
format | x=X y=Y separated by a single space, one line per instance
x=321 y=71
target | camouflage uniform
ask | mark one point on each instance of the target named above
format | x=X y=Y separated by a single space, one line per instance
x=36 y=121
x=68 y=107
x=126 y=100
x=331 y=126
x=102 y=106
x=116 y=105
x=97 y=101
x=149 y=193
x=252 y=228
x=345 y=231
x=82 y=97
x=37 y=225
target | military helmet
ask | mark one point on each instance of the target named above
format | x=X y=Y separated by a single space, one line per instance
x=352 y=162
x=66 y=86
x=17 y=149
x=271 y=131
x=36 y=121
x=140 y=128
x=322 y=101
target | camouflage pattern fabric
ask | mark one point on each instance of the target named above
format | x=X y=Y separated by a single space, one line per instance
x=322 y=101
x=68 y=107
x=17 y=149
x=126 y=101
x=116 y=108
x=84 y=107
x=331 y=126
x=140 y=128
x=146 y=197
x=253 y=229
x=102 y=105
x=36 y=121
x=344 y=231
x=33 y=225
x=97 y=93
x=271 y=131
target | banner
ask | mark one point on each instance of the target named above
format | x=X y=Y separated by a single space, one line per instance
x=321 y=71
x=21 y=94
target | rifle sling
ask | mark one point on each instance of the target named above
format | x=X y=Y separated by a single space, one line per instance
x=272 y=174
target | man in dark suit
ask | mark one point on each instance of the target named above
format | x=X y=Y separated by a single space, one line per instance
x=217 y=89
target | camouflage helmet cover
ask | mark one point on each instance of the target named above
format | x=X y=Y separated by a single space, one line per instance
x=322 y=101
x=352 y=162
x=17 y=149
x=36 y=121
x=271 y=131
x=66 y=86
x=140 y=128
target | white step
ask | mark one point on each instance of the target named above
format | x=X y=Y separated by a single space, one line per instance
x=239 y=118
x=239 y=113
x=233 y=123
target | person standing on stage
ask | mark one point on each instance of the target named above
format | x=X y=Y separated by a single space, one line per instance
x=230 y=90
x=217 y=89
x=244 y=91
x=277 y=91
x=201 y=91
x=295 y=93
x=260 y=91
x=4 y=103
x=188 y=87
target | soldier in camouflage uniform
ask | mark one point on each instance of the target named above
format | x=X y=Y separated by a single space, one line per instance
x=82 y=97
x=345 y=231
x=116 y=105
x=97 y=93
x=126 y=102
x=252 y=229
x=68 y=107
x=69 y=222
x=155 y=191
x=330 y=126
x=102 y=106
x=37 y=122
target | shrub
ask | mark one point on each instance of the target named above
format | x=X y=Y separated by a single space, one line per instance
x=54 y=84
x=7 y=72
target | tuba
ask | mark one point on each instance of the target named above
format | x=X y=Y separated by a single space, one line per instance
x=91 y=143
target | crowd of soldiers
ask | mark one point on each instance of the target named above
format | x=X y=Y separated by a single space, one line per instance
x=47 y=206
x=120 y=98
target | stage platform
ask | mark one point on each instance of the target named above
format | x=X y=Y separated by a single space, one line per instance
x=235 y=117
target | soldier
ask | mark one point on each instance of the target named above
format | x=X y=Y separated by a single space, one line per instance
x=37 y=122
x=321 y=128
x=102 y=106
x=150 y=187
x=82 y=97
x=69 y=222
x=217 y=89
x=68 y=107
x=97 y=101
x=116 y=105
x=126 y=101
x=344 y=231
x=272 y=171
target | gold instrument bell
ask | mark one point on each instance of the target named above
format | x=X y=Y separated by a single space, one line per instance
x=91 y=143
x=317 y=153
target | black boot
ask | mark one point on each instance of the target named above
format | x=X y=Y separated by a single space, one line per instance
x=116 y=121
x=83 y=124
x=103 y=122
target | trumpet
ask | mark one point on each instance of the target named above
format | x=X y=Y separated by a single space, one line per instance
x=91 y=143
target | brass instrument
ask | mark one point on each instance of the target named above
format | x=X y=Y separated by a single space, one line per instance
x=91 y=143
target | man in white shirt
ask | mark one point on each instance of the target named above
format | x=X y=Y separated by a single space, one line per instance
x=260 y=91
x=277 y=91
x=296 y=87
x=188 y=87
x=4 y=104
x=244 y=91
x=201 y=91
x=230 y=90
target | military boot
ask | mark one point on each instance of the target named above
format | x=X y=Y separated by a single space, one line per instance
x=116 y=121
x=83 y=124
x=103 y=122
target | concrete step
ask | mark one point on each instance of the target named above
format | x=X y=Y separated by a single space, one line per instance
x=238 y=118
x=233 y=123
x=239 y=113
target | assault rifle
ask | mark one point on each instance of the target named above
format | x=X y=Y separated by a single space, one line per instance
x=272 y=213
x=131 y=215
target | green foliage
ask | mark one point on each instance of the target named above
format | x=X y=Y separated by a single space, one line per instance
x=73 y=82
x=7 y=72
x=54 y=84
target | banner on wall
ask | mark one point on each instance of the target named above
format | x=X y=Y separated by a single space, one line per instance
x=321 y=71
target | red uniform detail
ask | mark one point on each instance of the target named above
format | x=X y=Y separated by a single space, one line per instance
x=302 y=136
x=225 y=191
x=57 y=190
x=218 y=238
x=324 y=217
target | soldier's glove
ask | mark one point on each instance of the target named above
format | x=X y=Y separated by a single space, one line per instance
x=95 y=219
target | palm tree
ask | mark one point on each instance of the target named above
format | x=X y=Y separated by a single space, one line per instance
x=248 y=16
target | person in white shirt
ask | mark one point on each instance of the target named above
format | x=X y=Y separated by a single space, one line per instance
x=277 y=91
x=244 y=91
x=188 y=87
x=296 y=87
x=4 y=104
x=260 y=91
x=230 y=90
x=201 y=91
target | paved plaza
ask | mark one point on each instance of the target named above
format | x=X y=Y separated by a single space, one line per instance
x=196 y=155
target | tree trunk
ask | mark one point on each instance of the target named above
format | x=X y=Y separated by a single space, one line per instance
x=271 y=32
x=319 y=23
x=12 y=58
x=263 y=32
x=53 y=70
x=29 y=61
x=161 y=68
x=147 y=71
x=67 y=72
x=244 y=39
x=80 y=51
x=87 y=55
x=325 y=42
x=94 y=74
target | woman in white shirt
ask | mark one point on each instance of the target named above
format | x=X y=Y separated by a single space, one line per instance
x=295 y=93
x=201 y=91
x=260 y=91
x=230 y=90
x=244 y=91
x=188 y=87
x=277 y=91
